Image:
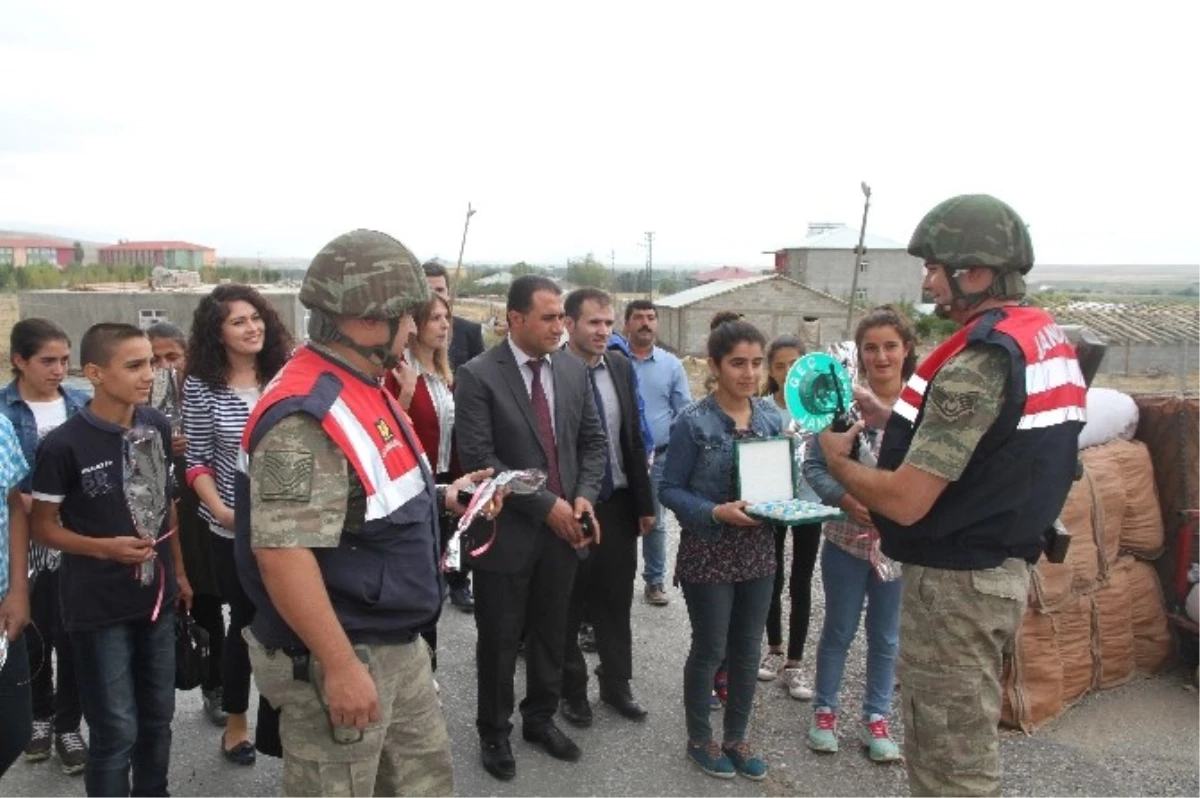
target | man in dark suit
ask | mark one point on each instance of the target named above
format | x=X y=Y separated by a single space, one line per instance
x=466 y=341
x=517 y=407
x=625 y=510
x=466 y=336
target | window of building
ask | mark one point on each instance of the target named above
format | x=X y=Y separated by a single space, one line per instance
x=148 y=318
x=860 y=295
x=6 y=256
x=863 y=265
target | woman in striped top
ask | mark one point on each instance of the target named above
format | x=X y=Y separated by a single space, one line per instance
x=423 y=387
x=887 y=354
x=237 y=344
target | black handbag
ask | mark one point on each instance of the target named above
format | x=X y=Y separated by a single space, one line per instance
x=191 y=652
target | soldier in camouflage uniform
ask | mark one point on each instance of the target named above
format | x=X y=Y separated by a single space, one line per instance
x=978 y=456
x=337 y=541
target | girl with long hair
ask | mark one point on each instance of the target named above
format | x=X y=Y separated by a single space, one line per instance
x=237 y=344
x=887 y=355
x=726 y=559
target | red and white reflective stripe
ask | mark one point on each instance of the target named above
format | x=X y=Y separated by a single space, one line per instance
x=384 y=494
x=1050 y=418
x=1053 y=373
x=243 y=461
x=905 y=410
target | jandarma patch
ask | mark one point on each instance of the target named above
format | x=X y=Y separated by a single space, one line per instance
x=285 y=476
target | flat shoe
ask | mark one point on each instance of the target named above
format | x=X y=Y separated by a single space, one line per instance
x=241 y=754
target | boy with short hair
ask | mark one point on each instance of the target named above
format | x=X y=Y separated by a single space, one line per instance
x=122 y=630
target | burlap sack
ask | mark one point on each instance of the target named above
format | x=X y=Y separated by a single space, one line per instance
x=1152 y=642
x=1142 y=529
x=1073 y=636
x=1104 y=468
x=1079 y=515
x=1033 y=675
x=1112 y=617
x=1170 y=427
x=1050 y=583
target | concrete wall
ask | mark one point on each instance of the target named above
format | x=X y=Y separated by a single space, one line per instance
x=892 y=275
x=9 y=315
x=1151 y=359
x=76 y=311
x=774 y=306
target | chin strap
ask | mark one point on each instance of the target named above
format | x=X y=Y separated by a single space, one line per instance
x=1004 y=285
x=322 y=329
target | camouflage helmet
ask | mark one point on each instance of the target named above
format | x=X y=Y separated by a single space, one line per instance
x=364 y=274
x=973 y=230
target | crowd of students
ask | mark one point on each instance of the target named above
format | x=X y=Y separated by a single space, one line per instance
x=64 y=462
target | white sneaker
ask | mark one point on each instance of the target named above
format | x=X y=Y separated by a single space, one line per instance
x=768 y=669
x=796 y=686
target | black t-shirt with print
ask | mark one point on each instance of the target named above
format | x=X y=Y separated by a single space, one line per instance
x=81 y=466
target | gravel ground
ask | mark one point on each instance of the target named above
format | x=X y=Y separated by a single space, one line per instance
x=1140 y=739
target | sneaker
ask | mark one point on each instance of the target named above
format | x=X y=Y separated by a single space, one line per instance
x=587 y=639
x=768 y=669
x=39 y=745
x=714 y=702
x=796 y=686
x=462 y=598
x=73 y=752
x=822 y=734
x=721 y=686
x=745 y=761
x=212 y=700
x=711 y=759
x=875 y=738
x=656 y=596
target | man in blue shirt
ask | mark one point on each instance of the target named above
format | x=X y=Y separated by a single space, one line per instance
x=663 y=385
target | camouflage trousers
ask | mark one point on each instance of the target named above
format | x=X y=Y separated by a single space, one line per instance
x=406 y=753
x=954 y=629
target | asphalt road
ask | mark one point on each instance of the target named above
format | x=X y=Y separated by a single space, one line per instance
x=1140 y=739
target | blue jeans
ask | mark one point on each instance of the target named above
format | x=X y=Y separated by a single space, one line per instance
x=654 y=542
x=126 y=676
x=848 y=580
x=727 y=623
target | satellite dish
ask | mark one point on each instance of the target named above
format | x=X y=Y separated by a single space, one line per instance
x=818 y=388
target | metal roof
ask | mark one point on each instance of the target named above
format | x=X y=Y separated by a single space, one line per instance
x=846 y=238
x=717 y=287
x=152 y=245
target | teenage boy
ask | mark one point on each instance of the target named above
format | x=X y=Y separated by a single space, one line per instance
x=122 y=632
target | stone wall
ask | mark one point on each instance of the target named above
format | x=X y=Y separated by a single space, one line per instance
x=10 y=314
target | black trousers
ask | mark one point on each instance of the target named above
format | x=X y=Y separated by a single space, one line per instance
x=52 y=698
x=235 y=657
x=806 y=540
x=535 y=600
x=603 y=594
x=206 y=612
x=16 y=713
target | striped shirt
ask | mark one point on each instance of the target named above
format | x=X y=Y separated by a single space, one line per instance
x=213 y=421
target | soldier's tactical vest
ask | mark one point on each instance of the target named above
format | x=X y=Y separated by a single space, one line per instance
x=383 y=578
x=1018 y=477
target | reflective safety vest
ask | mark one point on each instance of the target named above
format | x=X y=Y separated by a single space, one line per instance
x=1019 y=475
x=383 y=578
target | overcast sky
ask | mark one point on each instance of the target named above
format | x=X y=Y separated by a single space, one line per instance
x=252 y=126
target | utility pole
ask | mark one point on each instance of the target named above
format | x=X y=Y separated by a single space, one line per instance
x=858 y=254
x=649 y=265
x=461 y=248
x=612 y=265
x=260 y=273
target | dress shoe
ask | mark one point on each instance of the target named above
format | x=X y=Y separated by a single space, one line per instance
x=557 y=744
x=620 y=698
x=577 y=712
x=498 y=759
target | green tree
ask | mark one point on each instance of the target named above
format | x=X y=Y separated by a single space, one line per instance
x=588 y=271
x=522 y=268
x=78 y=258
x=669 y=285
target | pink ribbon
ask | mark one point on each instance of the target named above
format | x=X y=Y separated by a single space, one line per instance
x=162 y=573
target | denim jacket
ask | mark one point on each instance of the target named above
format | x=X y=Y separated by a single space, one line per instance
x=697 y=474
x=18 y=412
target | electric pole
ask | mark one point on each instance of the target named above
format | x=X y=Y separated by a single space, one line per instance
x=461 y=248
x=649 y=265
x=858 y=254
x=612 y=265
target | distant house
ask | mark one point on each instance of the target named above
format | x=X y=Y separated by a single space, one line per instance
x=774 y=304
x=825 y=261
x=499 y=279
x=168 y=254
x=22 y=252
x=723 y=273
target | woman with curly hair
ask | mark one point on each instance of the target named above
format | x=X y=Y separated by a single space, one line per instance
x=237 y=344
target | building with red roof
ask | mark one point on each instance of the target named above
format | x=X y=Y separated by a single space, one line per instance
x=169 y=254
x=723 y=273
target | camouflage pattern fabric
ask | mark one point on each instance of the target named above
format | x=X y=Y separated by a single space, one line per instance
x=962 y=404
x=954 y=629
x=973 y=230
x=300 y=485
x=364 y=274
x=406 y=753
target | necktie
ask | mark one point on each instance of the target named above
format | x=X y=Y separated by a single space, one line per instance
x=606 y=487
x=541 y=412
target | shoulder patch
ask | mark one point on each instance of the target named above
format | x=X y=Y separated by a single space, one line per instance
x=286 y=476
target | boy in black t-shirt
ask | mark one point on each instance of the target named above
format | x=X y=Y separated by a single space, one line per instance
x=117 y=587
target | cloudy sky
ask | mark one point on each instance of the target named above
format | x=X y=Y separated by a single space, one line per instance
x=724 y=128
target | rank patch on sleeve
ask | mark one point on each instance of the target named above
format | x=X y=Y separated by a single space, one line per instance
x=285 y=476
